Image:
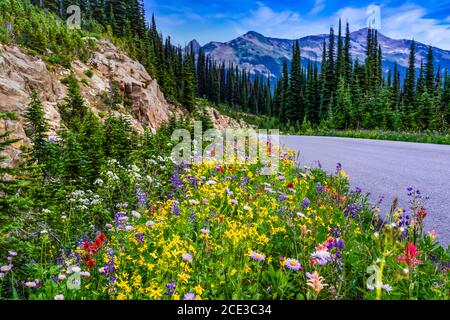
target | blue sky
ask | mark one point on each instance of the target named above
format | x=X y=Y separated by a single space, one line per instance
x=224 y=20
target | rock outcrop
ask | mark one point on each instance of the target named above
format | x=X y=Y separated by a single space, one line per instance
x=144 y=103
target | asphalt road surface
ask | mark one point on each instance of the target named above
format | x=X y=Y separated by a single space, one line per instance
x=386 y=168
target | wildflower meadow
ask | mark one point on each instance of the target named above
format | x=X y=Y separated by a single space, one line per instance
x=210 y=231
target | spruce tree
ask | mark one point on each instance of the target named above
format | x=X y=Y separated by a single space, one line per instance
x=13 y=184
x=294 y=103
x=188 y=84
x=429 y=71
x=36 y=128
x=74 y=109
x=330 y=84
x=347 y=54
x=410 y=83
x=340 y=60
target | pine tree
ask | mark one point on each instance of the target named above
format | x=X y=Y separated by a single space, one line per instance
x=409 y=92
x=429 y=71
x=421 y=116
x=294 y=103
x=74 y=109
x=188 y=84
x=395 y=88
x=119 y=18
x=323 y=82
x=92 y=139
x=13 y=183
x=343 y=106
x=36 y=128
x=347 y=54
x=74 y=163
x=421 y=82
x=340 y=60
x=284 y=91
x=330 y=82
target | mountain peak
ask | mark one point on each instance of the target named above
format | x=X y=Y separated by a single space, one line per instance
x=194 y=44
x=253 y=34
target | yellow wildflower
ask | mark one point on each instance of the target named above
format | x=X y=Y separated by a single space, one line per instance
x=156 y=293
x=199 y=289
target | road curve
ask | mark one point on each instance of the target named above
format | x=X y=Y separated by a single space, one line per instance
x=386 y=168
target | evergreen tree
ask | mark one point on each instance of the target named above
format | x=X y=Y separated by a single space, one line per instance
x=329 y=85
x=36 y=128
x=410 y=83
x=74 y=109
x=188 y=84
x=294 y=103
x=429 y=71
x=340 y=60
x=13 y=184
x=347 y=54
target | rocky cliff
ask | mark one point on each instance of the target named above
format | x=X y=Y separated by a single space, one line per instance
x=145 y=104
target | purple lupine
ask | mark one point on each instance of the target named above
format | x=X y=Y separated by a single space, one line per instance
x=194 y=181
x=77 y=257
x=339 y=244
x=175 y=209
x=319 y=188
x=119 y=220
x=404 y=220
x=357 y=190
x=410 y=191
x=352 y=210
x=305 y=203
x=176 y=182
x=142 y=197
x=110 y=266
x=335 y=232
x=245 y=180
x=140 y=237
x=171 y=286
x=192 y=217
x=433 y=258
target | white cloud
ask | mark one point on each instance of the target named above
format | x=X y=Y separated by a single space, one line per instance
x=404 y=22
x=409 y=21
x=267 y=21
x=356 y=17
x=319 y=5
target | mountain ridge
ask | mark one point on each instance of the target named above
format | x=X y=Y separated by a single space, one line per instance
x=265 y=55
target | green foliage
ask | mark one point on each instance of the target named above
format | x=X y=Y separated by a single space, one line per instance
x=42 y=32
x=13 y=186
x=422 y=137
x=36 y=128
x=74 y=109
x=89 y=73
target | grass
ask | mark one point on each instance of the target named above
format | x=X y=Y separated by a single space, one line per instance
x=421 y=137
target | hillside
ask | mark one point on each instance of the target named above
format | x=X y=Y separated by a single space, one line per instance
x=137 y=94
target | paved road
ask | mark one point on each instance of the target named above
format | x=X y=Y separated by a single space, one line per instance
x=387 y=168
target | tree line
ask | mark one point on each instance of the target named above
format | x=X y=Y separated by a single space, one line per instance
x=350 y=94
